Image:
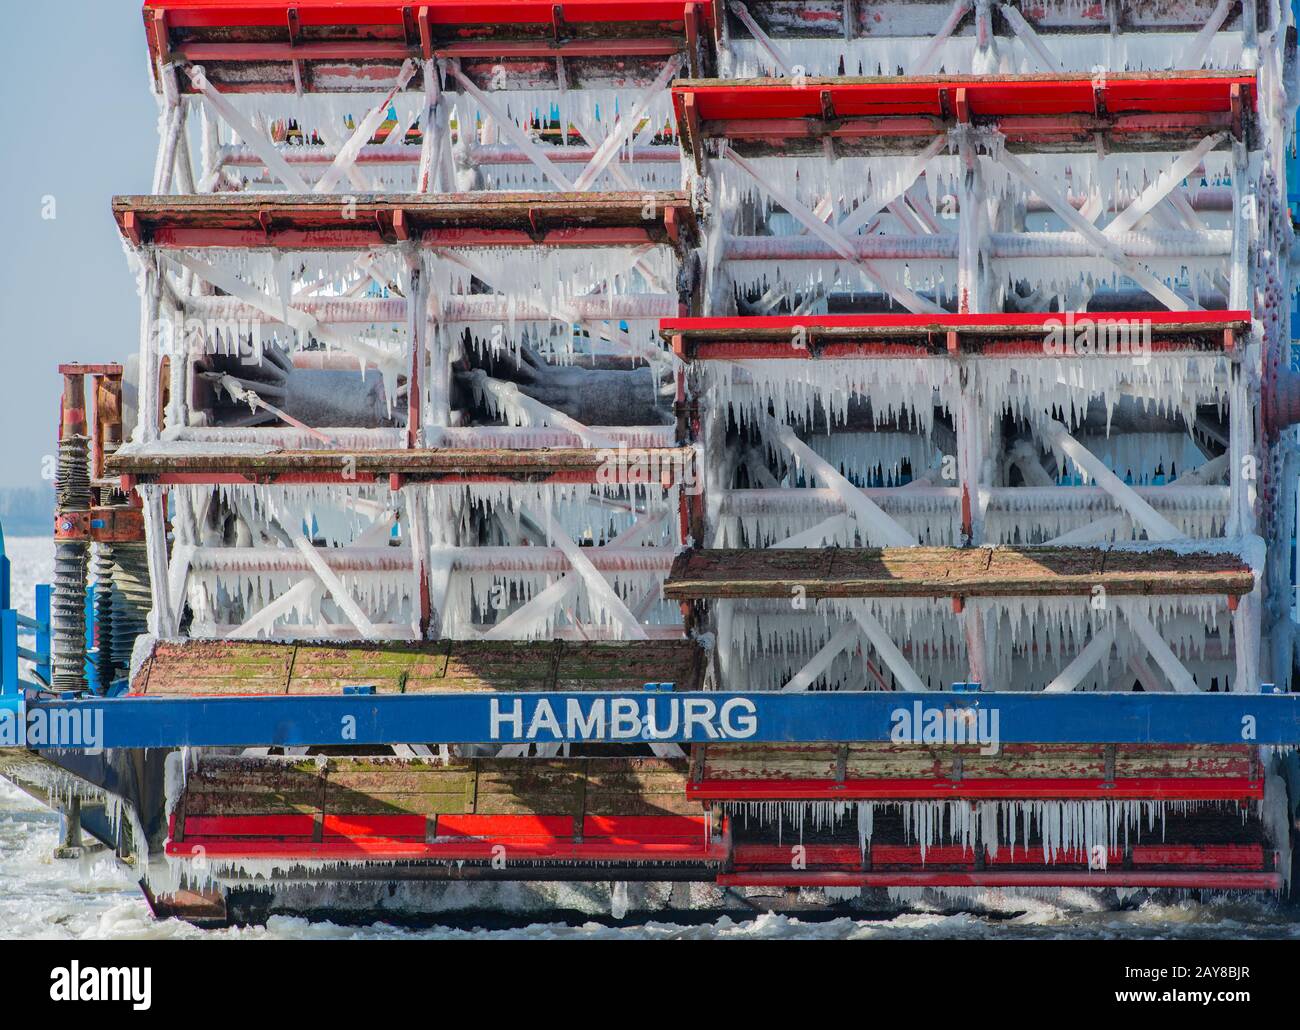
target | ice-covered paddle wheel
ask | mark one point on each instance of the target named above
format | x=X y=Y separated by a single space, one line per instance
x=983 y=387
x=403 y=422
x=762 y=450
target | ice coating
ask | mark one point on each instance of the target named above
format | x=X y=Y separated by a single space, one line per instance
x=892 y=55
x=1027 y=640
x=349 y=529
x=1037 y=830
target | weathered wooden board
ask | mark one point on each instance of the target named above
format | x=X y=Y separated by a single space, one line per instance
x=577 y=788
x=953 y=572
x=1020 y=761
x=416 y=464
x=313 y=221
x=247 y=667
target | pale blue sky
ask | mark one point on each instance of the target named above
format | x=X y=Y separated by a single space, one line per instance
x=78 y=124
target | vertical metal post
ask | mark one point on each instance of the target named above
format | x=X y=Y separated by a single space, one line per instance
x=416 y=331
x=8 y=651
x=42 y=649
x=4 y=572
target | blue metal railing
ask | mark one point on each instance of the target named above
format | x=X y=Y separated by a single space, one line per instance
x=14 y=627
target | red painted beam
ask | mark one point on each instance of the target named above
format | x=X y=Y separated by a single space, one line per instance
x=826 y=857
x=1154 y=788
x=932 y=97
x=646 y=467
x=467 y=825
x=369 y=849
x=184 y=238
x=570 y=48
x=350 y=826
x=247 y=826
x=1218 y=880
x=581 y=477
x=605 y=219
x=1039 y=334
x=909 y=323
x=1198 y=854
x=468 y=837
x=644 y=826
x=458 y=837
x=1044 y=110
x=389 y=31
x=238 y=14
x=378 y=50
x=214 y=478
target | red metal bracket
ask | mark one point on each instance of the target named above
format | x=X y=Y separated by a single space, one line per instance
x=987 y=335
x=1041 y=110
x=1011 y=878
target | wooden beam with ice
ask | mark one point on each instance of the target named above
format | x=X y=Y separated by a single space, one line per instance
x=944 y=572
x=314 y=222
x=213 y=667
x=575 y=464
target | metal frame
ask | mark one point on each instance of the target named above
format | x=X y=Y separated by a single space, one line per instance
x=988 y=122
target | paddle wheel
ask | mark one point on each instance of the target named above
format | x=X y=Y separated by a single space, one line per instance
x=767 y=450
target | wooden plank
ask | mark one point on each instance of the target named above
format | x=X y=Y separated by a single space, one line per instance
x=638 y=786
x=251 y=667
x=214 y=667
x=629 y=665
x=1184 y=761
x=416 y=464
x=530 y=786
x=362 y=785
x=242 y=803
x=403 y=667
x=320 y=221
x=476 y=666
x=1017 y=761
x=953 y=572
